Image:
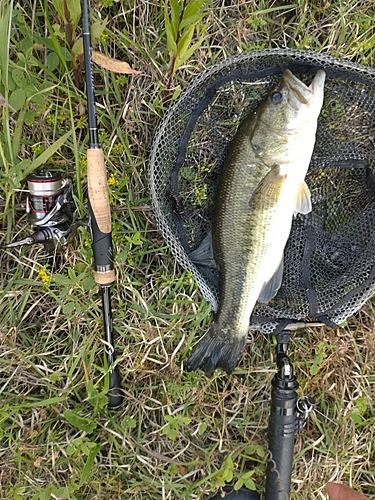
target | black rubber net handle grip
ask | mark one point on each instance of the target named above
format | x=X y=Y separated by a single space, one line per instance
x=115 y=394
x=281 y=437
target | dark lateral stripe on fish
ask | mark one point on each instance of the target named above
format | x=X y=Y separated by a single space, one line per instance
x=212 y=352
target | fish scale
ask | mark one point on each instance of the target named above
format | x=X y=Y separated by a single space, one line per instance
x=261 y=188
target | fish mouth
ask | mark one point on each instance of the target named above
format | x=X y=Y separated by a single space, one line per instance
x=301 y=95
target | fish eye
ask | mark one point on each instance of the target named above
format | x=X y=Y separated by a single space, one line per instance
x=277 y=97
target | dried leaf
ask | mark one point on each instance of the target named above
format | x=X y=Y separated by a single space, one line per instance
x=113 y=64
x=182 y=470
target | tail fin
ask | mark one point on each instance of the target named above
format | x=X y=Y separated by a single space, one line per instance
x=214 y=350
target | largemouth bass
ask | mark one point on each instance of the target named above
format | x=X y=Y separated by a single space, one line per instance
x=262 y=186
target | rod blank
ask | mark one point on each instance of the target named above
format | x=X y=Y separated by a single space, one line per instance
x=100 y=217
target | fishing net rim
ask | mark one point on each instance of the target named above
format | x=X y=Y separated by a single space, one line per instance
x=312 y=61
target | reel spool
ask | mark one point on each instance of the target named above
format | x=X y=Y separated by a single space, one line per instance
x=44 y=188
x=48 y=202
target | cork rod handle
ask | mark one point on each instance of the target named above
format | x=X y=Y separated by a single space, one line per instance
x=98 y=189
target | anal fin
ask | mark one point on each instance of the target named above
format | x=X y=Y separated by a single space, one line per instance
x=271 y=287
x=302 y=203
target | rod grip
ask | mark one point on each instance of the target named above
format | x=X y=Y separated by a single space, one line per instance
x=281 y=437
x=100 y=217
x=98 y=189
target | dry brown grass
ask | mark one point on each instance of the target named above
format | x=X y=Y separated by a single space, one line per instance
x=51 y=361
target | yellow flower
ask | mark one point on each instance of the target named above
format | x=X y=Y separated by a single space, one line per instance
x=44 y=276
x=112 y=180
x=81 y=122
x=38 y=149
x=50 y=119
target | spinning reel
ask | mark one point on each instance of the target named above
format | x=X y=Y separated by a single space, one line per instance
x=48 y=205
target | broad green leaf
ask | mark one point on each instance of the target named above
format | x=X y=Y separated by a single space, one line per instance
x=182 y=59
x=202 y=428
x=175 y=15
x=17 y=98
x=129 y=422
x=356 y=417
x=74 y=9
x=238 y=484
x=314 y=368
x=185 y=40
x=59 y=6
x=69 y=308
x=71 y=274
x=45 y=42
x=61 y=279
x=249 y=483
x=53 y=61
x=248 y=474
x=227 y=475
x=184 y=420
x=65 y=492
x=193 y=7
x=77 y=48
x=171 y=43
x=82 y=423
x=19 y=77
x=171 y=34
x=29 y=117
x=191 y=20
x=97 y=29
x=170 y=418
x=60 y=51
x=89 y=283
x=362 y=404
x=25 y=45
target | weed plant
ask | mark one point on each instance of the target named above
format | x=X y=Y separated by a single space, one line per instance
x=178 y=435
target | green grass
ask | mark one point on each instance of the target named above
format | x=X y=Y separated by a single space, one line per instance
x=178 y=435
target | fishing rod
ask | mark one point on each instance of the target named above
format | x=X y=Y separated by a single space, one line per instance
x=288 y=416
x=100 y=217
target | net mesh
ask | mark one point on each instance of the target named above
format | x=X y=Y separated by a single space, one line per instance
x=329 y=260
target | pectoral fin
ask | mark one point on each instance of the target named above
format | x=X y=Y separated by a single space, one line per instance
x=269 y=188
x=271 y=287
x=204 y=254
x=302 y=203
